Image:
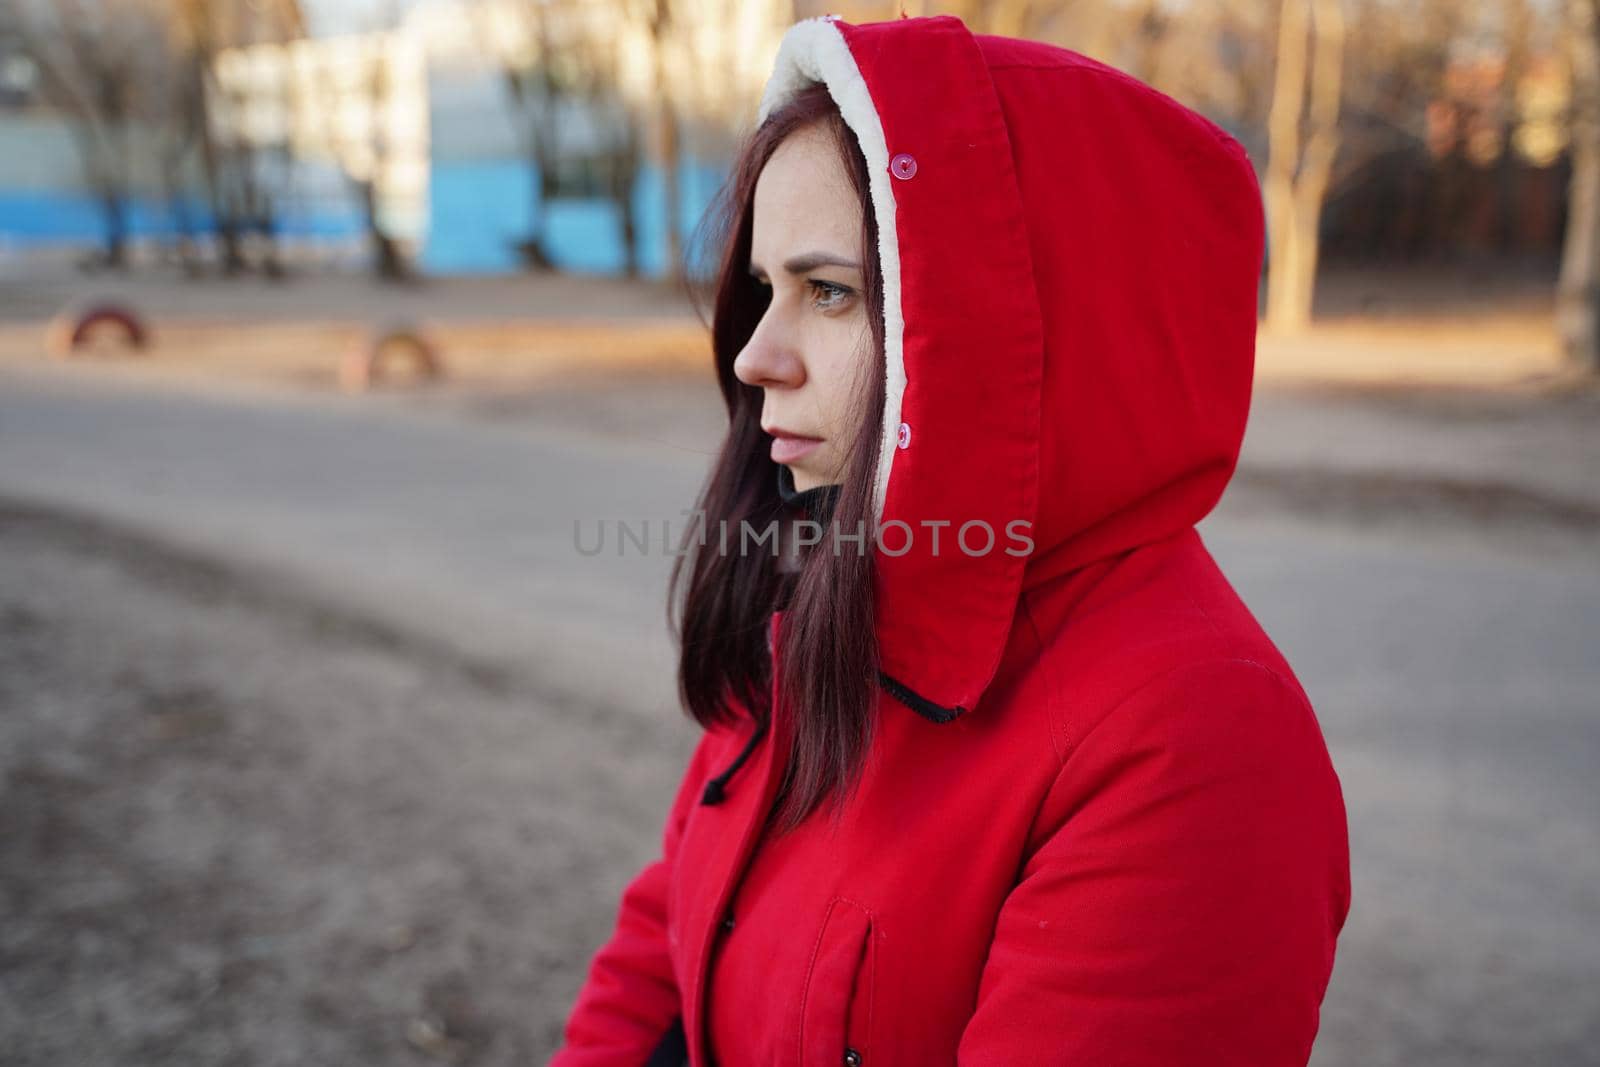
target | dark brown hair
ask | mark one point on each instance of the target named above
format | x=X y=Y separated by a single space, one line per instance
x=829 y=653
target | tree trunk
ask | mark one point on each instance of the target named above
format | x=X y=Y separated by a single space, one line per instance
x=388 y=261
x=1578 y=291
x=116 y=250
x=101 y=175
x=1297 y=182
x=1510 y=220
x=541 y=103
x=667 y=119
x=542 y=162
x=624 y=175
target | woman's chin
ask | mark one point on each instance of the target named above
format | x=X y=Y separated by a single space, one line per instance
x=804 y=480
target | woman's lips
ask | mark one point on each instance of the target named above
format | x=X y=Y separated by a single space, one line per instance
x=788 y=449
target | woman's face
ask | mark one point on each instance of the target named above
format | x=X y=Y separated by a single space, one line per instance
x=808 y=351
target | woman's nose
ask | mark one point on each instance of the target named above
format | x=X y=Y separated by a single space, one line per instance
x=769 y=362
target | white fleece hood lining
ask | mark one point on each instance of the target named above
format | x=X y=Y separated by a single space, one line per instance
x=814 y=50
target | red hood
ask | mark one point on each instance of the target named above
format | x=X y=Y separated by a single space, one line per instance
x=1071 y=270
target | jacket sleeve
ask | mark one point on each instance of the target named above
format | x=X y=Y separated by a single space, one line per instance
x=629 y=999
x=1187 y=877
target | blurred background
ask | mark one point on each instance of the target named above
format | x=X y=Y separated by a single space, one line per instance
x=324 y=324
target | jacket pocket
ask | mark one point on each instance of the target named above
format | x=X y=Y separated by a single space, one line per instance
x=836 y=1002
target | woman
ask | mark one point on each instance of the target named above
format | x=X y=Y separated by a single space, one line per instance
x=1023 y=782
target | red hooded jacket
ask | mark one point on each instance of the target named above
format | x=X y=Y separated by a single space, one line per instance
x=1099 y=825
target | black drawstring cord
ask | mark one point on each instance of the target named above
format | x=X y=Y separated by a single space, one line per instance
x=716 y=789
x=918 y=703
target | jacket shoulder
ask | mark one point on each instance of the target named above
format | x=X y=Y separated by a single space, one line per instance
x=1164 y=618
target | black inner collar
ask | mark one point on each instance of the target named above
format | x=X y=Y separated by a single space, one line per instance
x=817 y=502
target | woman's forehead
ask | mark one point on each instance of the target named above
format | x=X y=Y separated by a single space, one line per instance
x=804 y=201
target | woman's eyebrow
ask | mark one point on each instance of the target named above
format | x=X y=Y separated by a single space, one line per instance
x=808 y=261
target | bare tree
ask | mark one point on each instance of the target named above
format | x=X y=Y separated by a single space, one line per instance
x=1301 y=153
x=240 y=204
x=659 y=18
x=135 y=79
x=388 y=260
x=1010 y=18
x=1578 y=291
x=597 y=83
x=531 y=80
x=1517 y=16
x=359 y=100
x=104 y=66
x=572 y=54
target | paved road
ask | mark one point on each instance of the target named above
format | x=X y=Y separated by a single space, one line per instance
x=1450 y=656
x=464 y=528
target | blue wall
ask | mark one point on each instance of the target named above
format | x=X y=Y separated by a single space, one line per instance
x=479 y=211
x=34 y=218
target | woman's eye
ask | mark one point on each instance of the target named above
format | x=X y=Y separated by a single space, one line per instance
x=833 y=295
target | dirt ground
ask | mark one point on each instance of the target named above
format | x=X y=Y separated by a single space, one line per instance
x=175 y=735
